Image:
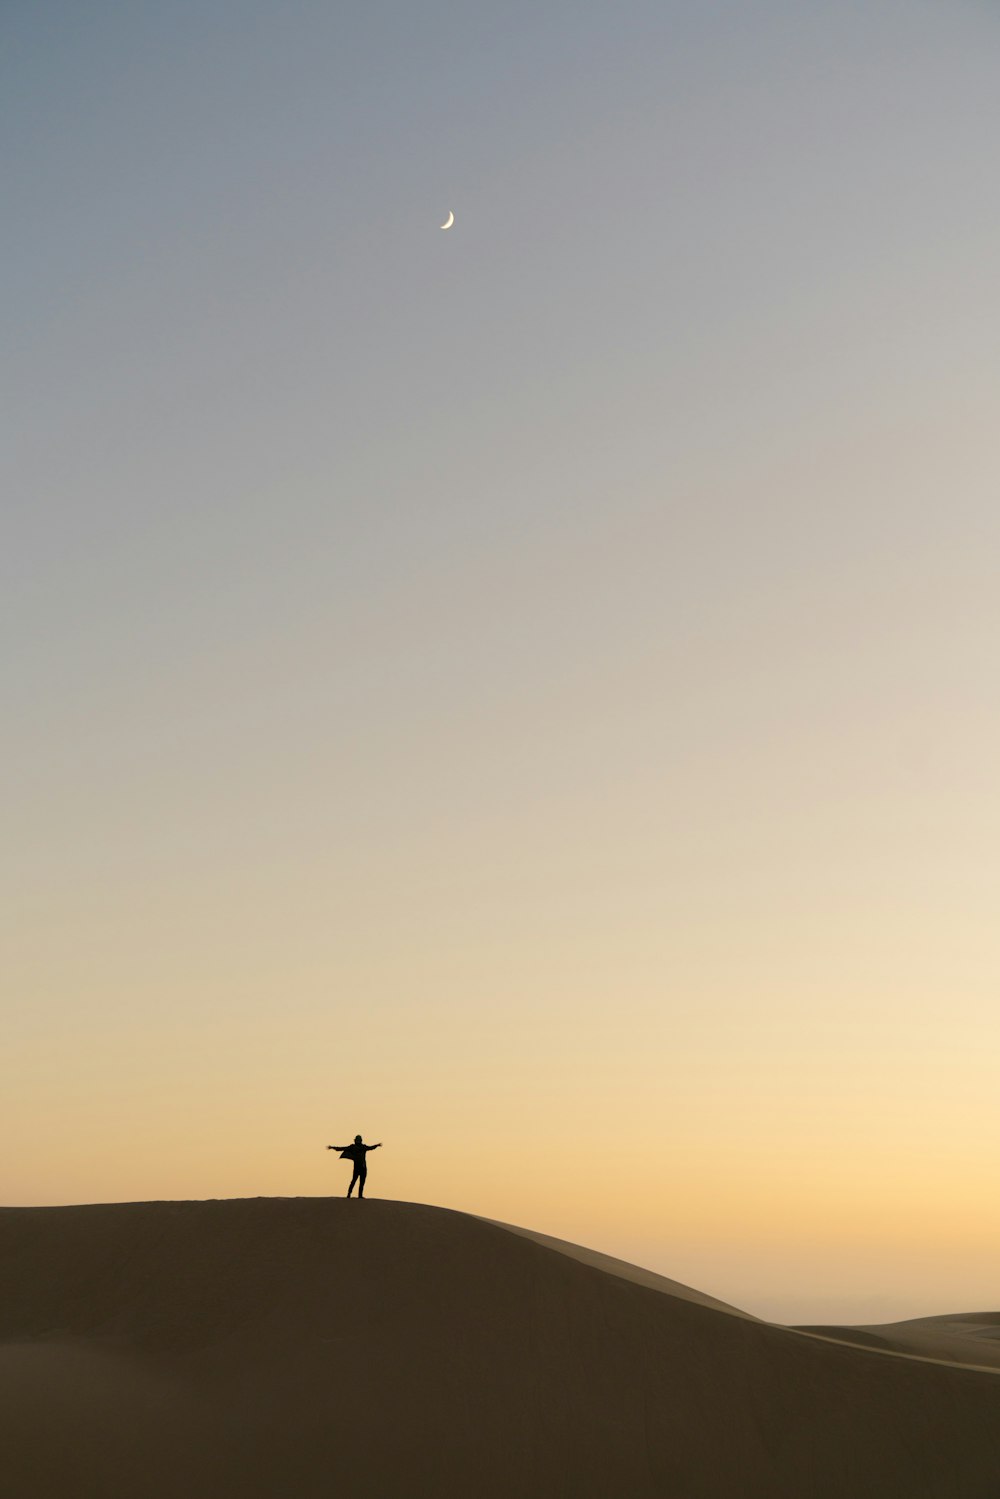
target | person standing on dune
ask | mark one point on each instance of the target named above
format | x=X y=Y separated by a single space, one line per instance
x=356 y=1153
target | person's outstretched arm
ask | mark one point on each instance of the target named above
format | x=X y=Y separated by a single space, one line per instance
x=338 y=1147
x=374 y=1147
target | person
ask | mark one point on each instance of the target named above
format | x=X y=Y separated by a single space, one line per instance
x=356 y=1153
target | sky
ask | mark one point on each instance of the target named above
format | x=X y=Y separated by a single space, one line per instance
x=525 y=693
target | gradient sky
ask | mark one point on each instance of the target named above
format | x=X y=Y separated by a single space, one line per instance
x=526 y=693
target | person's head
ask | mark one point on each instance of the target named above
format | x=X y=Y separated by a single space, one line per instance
x=357 y=1139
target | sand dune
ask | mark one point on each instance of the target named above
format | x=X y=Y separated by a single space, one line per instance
x=305 y=1347
x=969 y=1338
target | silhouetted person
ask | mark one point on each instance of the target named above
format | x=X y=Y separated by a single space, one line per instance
x=356 y=1153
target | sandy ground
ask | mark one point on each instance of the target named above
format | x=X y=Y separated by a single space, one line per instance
x=313 y=1347
x=971 y=1338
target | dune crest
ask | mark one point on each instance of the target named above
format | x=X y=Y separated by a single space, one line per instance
x=623 y=1269
x=971 y=1339
x=311 y=1346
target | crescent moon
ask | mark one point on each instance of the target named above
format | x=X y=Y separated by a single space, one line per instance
x=448 y=222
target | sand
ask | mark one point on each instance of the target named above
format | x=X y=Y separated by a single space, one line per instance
x=968 y=1338
x=313 y=1347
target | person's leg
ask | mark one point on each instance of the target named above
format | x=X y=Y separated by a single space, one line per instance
x=363 y=1175
x=354 y=1178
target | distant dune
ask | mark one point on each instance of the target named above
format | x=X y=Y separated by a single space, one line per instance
x=969 y=1338
x=312 y=1347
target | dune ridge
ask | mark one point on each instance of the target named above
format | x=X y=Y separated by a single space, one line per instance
x=314 y=1346
x=971 y=1339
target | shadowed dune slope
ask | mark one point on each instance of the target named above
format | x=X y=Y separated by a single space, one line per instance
x=305 y=1347
x=961 y=1338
